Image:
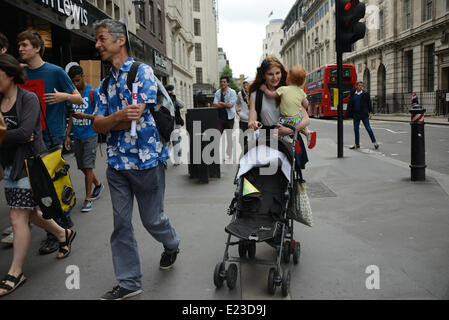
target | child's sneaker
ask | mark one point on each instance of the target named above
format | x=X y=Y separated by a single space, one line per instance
x=311 y=139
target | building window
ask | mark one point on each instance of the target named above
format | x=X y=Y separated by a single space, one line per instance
x=196 y=5
x=199 y=75
x=197 y=27
x=428 y=10
x=381 y=34
x=408 y=14
x=429 y=67
x=409 y=61
x=151 y=16
x=116 y=12
x=140 y=14
x=159 y=20
x=109 y=7
x=198 y=56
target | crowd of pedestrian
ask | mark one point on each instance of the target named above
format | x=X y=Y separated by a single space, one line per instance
x=136 y=164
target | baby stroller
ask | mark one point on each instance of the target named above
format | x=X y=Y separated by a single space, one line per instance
x=261 y=212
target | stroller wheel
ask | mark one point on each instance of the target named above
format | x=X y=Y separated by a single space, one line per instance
x=242 y=249
x=251 y=247
x=218 y=274
x=296 y=252
x=271 y=281
x=286 y=251
x=286 y=283
x=231 y=276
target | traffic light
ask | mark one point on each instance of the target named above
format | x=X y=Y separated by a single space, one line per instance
x=348 y=27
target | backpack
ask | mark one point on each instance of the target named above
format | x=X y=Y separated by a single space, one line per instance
x=164 y=111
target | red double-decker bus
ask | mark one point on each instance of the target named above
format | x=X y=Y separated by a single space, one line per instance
x=320 y=85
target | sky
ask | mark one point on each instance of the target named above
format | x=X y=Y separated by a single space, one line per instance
x=241 y=30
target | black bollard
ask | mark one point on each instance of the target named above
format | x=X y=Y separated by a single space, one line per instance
x=418 y=150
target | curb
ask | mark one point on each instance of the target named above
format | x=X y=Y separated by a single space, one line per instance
x=426 y=121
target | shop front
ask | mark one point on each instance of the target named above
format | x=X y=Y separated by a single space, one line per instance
x=66 y=26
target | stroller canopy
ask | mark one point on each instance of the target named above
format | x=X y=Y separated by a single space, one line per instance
x=264 y=155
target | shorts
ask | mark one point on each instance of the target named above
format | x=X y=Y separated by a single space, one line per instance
x=86 y=152
x=18 y=193
x=291 y=120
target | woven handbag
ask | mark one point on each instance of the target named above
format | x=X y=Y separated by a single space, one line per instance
x=303 y=210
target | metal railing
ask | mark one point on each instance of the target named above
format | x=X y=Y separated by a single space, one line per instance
x=434 y=103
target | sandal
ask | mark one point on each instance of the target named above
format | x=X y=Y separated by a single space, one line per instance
x=67 y=243
x=17 y=283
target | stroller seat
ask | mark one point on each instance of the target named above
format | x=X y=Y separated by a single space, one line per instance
x=258 y=214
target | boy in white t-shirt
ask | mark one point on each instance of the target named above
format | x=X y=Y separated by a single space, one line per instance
x=293 y=102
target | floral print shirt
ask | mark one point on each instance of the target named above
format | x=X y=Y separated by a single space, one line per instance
x=145 y=150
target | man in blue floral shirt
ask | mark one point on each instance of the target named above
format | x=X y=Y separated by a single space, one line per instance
x=135 y=164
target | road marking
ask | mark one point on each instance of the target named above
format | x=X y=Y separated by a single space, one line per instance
x=394 y=154
x=392 y=131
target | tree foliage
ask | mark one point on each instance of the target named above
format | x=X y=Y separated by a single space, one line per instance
x=227 y=71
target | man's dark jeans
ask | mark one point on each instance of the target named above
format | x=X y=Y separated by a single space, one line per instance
x=365 y=121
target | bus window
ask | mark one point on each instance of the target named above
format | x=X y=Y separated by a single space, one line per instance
x=346 y=72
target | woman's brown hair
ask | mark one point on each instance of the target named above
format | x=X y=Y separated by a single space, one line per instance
x=12 y=67
x=267 y=63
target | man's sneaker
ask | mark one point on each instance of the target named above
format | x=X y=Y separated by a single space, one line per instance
x=355 y=147
x=7 y=231
x=87 y=206
x=376 y=146
x=119 y=293
x=168 y=259
x=9 y=239
x=97 y=191
x=49 y=246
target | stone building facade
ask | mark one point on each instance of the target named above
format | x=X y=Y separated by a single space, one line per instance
x=293 y=48
x=206 y=47
x=405 y=49
x=274 y=39
x=180 y=47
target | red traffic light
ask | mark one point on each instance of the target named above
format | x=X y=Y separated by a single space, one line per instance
x=350 y=4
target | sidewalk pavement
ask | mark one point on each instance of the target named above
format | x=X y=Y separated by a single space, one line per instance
x=368 y=215
x=403 y=117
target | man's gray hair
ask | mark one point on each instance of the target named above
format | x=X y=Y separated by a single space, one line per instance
x=115 y=27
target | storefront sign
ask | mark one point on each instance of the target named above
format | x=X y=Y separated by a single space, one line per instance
x=160 y=60
x=73 y=9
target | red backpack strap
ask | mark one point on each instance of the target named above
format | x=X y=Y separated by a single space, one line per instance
x=91 y=93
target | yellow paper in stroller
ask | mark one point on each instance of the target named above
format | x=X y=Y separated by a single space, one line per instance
x=50 y=182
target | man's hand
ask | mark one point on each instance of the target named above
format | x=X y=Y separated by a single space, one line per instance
x=67 y=143
x=80 y=115
x=370 y=115
x=31 y=138
x=131 y=112
x=57 y=97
